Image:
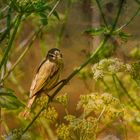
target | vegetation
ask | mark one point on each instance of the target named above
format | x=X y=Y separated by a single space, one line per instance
x=114 y=101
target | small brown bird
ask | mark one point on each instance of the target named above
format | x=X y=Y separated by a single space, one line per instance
x=46 y=78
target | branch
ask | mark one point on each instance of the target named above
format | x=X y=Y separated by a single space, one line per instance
x=33 y=37
x=92 y=57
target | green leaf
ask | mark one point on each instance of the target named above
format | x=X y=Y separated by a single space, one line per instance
x=124 y=36
x=8 y=100
x=43 y=18
x=95 y=31
x=56 y=15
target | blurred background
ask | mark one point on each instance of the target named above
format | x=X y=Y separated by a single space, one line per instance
x=68 y=35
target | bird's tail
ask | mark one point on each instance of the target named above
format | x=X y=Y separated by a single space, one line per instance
x=26 y=111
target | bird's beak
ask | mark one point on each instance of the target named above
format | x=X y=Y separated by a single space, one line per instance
x=60 y=56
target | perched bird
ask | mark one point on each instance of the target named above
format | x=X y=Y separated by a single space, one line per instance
x=46 y=78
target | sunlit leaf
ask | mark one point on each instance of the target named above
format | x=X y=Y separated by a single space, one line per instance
x=8 y=100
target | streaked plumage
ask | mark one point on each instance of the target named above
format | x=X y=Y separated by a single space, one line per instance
x=46 y=77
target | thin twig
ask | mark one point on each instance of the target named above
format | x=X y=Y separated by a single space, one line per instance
x=126 y=92
x=11 y=40
x=61 y=32
x=22 y=55
x=50 y=13
x=33 y=37
x=105 y=84
x=118 y=91
x=4 y=9
x=130 y=20
x=102 y=13
x=101 y=114
x=92 y=57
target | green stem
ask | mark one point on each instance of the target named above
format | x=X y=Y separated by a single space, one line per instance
x=102 y=13
x=33 y=37
x=28 y=126
x=61 y=32
x=105 y=84
x=126 y=92
x=7 y=30
x=11 y=41
x=118 y=91
x=92 y=57
x=130 y=20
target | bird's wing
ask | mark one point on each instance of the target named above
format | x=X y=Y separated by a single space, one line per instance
x=45 y=71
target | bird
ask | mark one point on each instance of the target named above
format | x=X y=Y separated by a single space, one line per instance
x=46 y=77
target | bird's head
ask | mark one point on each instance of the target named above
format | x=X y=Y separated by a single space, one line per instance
x=54 y=55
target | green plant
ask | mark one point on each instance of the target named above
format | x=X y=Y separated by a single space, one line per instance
x=117 y=100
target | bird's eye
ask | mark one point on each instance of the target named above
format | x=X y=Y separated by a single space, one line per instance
x=51 y=55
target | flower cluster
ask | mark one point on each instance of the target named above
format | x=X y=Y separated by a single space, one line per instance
x=90 y=102
x=85 y=128
x=63 y=132
x=42 y=100
x=109 y=66
x=50 y=114
x=96 y=108
x=23 y=3
x=96 y=102
x=108 y=99
x=62 y=99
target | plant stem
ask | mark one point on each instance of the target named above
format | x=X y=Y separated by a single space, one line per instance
x=37 y=115
x=130 y=20
x=50 y=13
x=126 y=92
x=61 y=32
x=101 y=114
x=105 y=84
x=10 y=43
x=33 y=37
x=5 y=30
x=92 y=57
x=102 y=13
x=118 y=91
